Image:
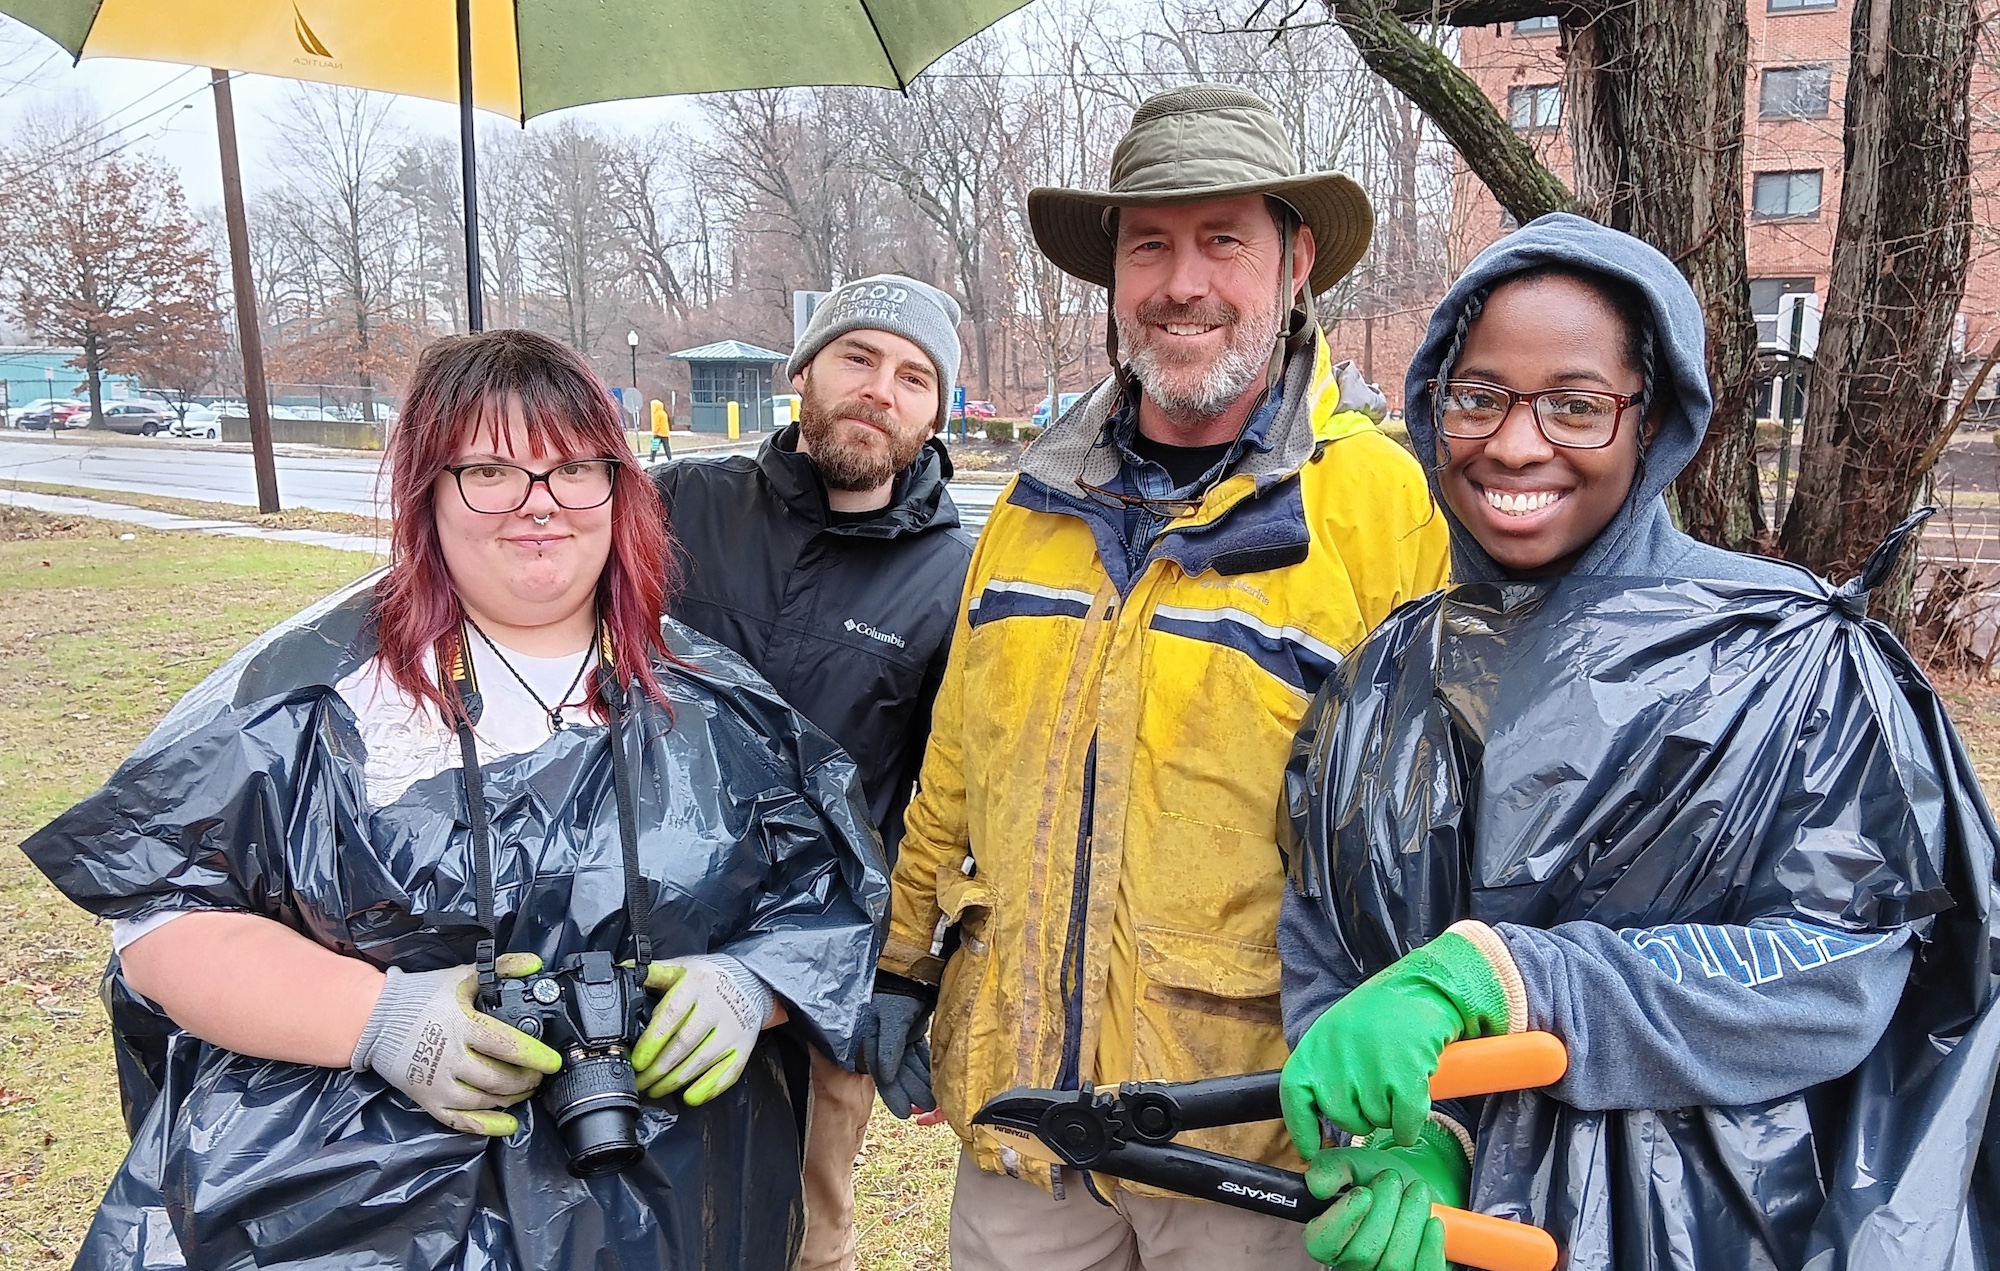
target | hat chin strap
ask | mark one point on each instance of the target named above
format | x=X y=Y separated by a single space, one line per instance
x=1295 y=303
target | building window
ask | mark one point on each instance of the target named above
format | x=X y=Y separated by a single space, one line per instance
x=1795 y=92
x=1792 y=6
x=1534 y=106
x=1765 y=295
x=1548 y=25
x=1785 y=194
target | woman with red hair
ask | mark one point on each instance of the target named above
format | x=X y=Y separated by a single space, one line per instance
x=370 y=885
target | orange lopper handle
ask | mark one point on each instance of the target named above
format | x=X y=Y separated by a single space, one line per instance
x=1489 y=1065
x=1494 y=1244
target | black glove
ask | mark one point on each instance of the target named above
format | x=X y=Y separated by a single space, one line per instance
x=893 y=1046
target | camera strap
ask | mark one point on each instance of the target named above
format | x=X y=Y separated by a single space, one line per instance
x=638 y=898
x=457 y=664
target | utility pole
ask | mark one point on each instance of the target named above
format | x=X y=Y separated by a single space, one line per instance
x=246 y=296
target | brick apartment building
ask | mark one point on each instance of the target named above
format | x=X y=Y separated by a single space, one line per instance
x=1792 y=157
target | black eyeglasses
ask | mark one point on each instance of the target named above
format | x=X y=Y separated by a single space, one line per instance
x=499 y=488
x=1575 y=418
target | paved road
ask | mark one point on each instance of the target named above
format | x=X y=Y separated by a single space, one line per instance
x=329 y=483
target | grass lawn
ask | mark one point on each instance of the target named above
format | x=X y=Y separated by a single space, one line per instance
x=101 y=628
x=99 y=634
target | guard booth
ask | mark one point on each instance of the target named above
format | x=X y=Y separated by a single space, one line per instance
x=731 y=371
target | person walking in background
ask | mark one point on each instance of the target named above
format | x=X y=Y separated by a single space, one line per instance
x=663 y=443
x=1089 y=881
x=832 y=561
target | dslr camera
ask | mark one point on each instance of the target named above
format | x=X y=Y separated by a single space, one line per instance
x=590 y=1010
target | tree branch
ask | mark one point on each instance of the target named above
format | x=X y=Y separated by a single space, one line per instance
x=1497 y=154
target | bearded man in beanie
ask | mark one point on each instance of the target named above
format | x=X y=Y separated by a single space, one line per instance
x=1090 y=876
x=832 y=561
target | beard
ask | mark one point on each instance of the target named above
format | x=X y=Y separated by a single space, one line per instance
x=845 y=463
x=1187 y=387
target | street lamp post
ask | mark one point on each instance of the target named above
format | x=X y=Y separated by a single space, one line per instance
x=632 y=343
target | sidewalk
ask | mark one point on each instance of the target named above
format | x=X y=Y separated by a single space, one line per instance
x=65 y=505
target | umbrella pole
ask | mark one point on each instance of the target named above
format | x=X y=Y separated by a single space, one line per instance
x=469 y=164
x=247 y=334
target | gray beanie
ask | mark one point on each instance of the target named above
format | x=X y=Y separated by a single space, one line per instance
x=917 y=311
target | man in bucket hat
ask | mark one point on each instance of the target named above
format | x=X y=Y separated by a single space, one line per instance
x=1090 y=877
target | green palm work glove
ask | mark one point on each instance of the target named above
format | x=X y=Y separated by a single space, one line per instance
x=1384 y=1222
x=1366 y=1062
x=703 y=1028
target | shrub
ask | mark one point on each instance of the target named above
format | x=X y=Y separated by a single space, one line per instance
x=999 y=430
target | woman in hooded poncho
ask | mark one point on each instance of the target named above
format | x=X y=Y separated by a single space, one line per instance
x=334 y=861
x=1688 y=810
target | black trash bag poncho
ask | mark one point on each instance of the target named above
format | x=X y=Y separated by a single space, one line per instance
x=1640 y=754
x=754 y=839
x=1712 y=767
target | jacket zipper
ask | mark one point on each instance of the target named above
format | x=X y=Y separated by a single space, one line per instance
x=1067 y=1077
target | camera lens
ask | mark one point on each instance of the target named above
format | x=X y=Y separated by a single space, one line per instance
x=595 y=1101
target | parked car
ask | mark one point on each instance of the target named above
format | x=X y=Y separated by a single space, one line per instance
x=979 y=410
x=141 y=418
x=53 y=412
x=200 y=421
x=1041 y=419
x=37 y=407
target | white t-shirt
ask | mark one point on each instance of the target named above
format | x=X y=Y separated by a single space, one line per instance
x=407 y=742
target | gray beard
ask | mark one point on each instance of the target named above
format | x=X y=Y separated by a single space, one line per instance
x=1187 y=396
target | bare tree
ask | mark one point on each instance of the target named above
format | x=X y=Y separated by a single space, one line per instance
x=650 y=211
x=1876 y=409
x=576 y=250
x=339 y=155
x=425 y=186
x=940 y=148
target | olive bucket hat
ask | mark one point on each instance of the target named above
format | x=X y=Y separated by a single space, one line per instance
x=1198 y=144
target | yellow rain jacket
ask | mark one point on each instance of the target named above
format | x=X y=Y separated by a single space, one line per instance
x=1097 y=811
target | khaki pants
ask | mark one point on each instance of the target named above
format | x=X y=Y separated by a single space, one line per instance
x=1004 y=1224
x=841 y=1102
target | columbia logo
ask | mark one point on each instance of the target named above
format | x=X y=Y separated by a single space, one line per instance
x=886 y=637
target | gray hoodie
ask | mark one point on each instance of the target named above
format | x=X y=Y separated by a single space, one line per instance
x=1663 y=1017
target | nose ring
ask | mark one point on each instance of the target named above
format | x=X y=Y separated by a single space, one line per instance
x=542 y=520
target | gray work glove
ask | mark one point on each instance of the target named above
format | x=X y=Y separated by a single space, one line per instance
x=893 y=1046
x=427 y=1039
x=703 y=1029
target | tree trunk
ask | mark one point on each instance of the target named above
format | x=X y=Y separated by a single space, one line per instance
x=1497 y=154
x=1880 y=387
x=1655 y=100
x=93 y=369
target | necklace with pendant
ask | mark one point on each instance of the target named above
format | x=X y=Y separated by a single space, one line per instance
x=554 y=713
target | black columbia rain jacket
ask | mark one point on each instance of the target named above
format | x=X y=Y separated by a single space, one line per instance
x=850 y=623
